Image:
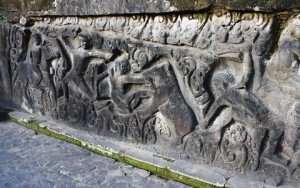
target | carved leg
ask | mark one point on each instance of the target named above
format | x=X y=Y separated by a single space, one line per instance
x=271 y=154
x=248 y=68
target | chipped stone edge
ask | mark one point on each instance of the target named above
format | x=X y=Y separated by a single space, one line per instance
x=178 y=170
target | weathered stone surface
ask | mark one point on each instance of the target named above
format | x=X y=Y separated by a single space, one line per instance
x=5 y=77
x=195 y=174
x=100 y=7
x=265 y=6
x=13 y=9
x=28 y=159
x=220 y=87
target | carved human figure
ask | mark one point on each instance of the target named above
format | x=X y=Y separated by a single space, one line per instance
x=96 y=73
x=49 y=53
x=169 y=101
x=283 y=70
x=125 y=99
x=287 y=57
x=227 y=32
x=40 y=55
x=35 y=58
x=247 y=108
x=282 y=82
x=76 y=55
x=239 y=53
x=261 y=48
x=60 y=72
x=249 y=44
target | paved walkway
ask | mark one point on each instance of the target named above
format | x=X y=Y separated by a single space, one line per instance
x=35 y=160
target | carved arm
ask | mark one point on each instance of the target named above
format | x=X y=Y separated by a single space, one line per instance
x=213 y=110
x=99 y=54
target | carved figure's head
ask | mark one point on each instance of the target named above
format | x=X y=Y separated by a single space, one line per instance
x=20 y=38
x=83 y=41
x=237 y=134
x=295 y=32
x=221 y=82
x=295 y=26
x=263 y=43
x=122 y=66
x=36 y=39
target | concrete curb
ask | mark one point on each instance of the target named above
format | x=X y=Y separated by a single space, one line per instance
x=179 y=170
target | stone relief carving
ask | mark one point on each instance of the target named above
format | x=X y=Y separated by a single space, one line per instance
x=206 y=83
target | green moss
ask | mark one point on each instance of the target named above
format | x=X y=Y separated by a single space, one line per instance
x=164 y=158
x=283 y=24
x=33 y=125
x=14 y=5
x=160 y=171
x=3 y=21
x=190 y=4
x=140 y=164
x=166 y=173
x=41 y=4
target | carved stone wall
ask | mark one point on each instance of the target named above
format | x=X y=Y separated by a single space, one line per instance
x=5 y=77
x=13 y=9
x=223 y=87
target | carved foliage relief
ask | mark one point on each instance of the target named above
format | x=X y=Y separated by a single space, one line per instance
x=206 y=83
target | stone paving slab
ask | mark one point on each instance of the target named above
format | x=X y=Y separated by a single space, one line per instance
x=184 y=171
x=33 y=160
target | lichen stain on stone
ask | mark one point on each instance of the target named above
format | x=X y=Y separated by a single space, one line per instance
x=12 y=5
x=267 y=5
x=25 y=6
x=190 y=4
x=41 y=4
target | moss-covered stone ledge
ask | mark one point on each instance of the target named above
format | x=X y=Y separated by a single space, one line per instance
x=185 y=172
